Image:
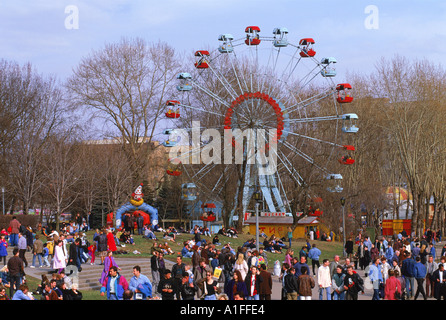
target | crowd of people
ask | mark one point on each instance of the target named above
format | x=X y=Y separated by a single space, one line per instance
x=215 y=272
x=66 y=247
x=401 y=267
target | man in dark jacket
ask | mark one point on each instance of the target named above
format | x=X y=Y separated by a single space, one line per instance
x=407 y=270
x=439 y=278
x=140 y=224
x=187 y=288
x=253 y=281
x=74 y=254
x=266 y=285
x=290 y=284
x=102 y=245
x=353 y=284
x=177 y=273
x=16 y=271
x=166 y=287
x=154 y=266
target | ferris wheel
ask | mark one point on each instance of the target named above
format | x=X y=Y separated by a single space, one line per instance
x=271 y=95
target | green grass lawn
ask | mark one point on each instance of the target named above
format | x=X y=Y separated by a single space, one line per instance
x=329 y=249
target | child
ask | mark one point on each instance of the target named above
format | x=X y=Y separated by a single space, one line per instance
x=3 y=248
x=46 y=253
x=91 y=252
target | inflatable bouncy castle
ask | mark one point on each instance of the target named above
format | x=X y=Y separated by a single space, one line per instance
x=136 y=203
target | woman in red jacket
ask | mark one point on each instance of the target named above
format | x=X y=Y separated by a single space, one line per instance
x=392 y=286
x=111 y=241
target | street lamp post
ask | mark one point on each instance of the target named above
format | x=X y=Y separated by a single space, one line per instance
x=258 y=199
x=3 y=201
x=343 y=225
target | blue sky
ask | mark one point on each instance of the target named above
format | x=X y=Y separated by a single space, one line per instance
x=35 y=30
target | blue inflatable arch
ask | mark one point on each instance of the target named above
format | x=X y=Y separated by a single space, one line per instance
x=153 y=212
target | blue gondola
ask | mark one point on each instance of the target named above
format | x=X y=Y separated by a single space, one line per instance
x=280 y=37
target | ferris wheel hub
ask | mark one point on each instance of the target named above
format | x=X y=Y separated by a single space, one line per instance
x=256 y=118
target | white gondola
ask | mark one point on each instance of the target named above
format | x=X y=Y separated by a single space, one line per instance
x=185 y=81
x=226 y=46
x=334 y=180
x=328 y=70
x=280 y=37
x=189 y=191
x=349 y=123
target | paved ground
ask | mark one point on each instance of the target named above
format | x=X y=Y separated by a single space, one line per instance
x=88 y=278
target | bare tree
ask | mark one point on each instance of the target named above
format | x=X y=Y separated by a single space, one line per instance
x=40 y=106
x=62 y=164
x=127 y=84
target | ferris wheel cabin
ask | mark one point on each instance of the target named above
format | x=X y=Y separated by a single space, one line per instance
x=202 y=63
x=173 y=167
x=334 y=180
x=189 y=191
x=280 y=37
x=349 y=124
x=347 y=159
x=328 y=70
x=226 y=46
x=344 y=93
x=252 y=36
x=185 y=81
x=307 y=47
x=170 y=113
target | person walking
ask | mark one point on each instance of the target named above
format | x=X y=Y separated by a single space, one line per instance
x=407 y=270
x=290 y=284
x=16 y=271
x=376 y=278
x=37 y=252
x=392 y=288
x=177 y=274
x=114 y=285
x=154 y=267
x=324 y=280
x=166 y=286
x=14 y=226
x=101 y=240
x=305 y=284
x=353 y=284
x=59 y=260
x=241 y=265
x=431 y=267
x=3 y=248
x=439 y=278
x=109 y=261
x=266 y=286
x=22 y=245
x=420 y=273
x=314 y=254
x=234 y=285
x=337 y=283
x=253 y=280
x=140 y=285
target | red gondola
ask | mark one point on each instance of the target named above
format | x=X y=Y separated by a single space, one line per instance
x=344 y=93
x=172 y=167
x=170 y=113
x=252 y=36
x=313 y=209
x=202 y=61
x=208 y=215
x=307 y=50
x=347 y=159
